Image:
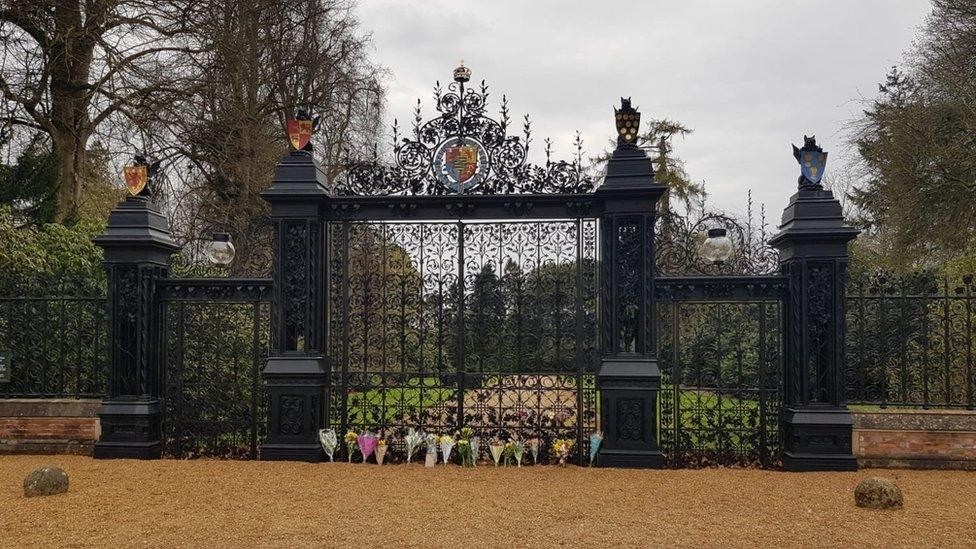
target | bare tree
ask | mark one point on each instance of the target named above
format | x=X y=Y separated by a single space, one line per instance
x=69 y=65
x=259 y=62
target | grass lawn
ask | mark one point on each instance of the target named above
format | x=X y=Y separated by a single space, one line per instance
x=202 y=503
x=393 y=401
x=396 y=401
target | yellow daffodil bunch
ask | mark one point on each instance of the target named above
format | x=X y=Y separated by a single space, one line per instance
x=560 y=449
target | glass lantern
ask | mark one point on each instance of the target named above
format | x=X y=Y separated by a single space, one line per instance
x=717 y=248
x=221 y=251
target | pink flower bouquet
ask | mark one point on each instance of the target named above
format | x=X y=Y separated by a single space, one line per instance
x=367 y=443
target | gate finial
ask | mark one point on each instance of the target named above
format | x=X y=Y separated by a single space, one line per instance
x=462 y=73
x=628 y=123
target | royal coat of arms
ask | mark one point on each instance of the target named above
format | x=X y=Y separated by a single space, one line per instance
x=460 y=163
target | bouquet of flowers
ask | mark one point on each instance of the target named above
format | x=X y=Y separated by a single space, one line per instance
x=351 y=438
x=367 y=443
x=380 y=451
x=464 y=450
x=595 y=440
x=560 y=448
x=497 y=447
x=518 y=450
x=447 y=444
x=534 y=444
x=431 y=459
x=507 y=453
x=475 y=447
x=467 y=445
x=329 y=442
x=413 y=439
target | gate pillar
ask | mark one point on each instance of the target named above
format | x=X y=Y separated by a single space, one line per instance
x=629 y=378
x=137 y=245
x=297 y=373
x=813 y=252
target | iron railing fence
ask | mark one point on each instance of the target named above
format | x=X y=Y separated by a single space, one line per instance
x=910 y=341
x=57 y=345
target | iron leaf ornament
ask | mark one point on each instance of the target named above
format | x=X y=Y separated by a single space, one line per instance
x=813 y=161
x=462 y=150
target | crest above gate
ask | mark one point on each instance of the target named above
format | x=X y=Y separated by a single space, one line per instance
x=464 y=151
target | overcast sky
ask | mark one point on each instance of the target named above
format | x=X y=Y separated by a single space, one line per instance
x=749 y=77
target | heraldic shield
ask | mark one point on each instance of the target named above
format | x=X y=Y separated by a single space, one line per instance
x=136 y=178
x=299 y=133
x=812 y=160
x=461 y=162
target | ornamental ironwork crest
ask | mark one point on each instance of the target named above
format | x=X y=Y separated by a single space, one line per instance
x=460 y=163
x=463 y=150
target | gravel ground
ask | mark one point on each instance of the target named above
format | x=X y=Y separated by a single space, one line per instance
x=241 y=504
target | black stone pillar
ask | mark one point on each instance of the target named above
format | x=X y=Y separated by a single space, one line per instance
x=813 y=240
x=137 y=245
x=297 y=374
x=629 y=378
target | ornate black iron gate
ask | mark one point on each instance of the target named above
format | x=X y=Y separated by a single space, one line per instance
x=383 y=316
x=489 y=325
x=720 y=352
x=215 y=345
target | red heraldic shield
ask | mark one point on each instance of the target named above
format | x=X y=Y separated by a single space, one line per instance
x=299 y=133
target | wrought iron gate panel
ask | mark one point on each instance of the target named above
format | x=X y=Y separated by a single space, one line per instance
x=720 y=352
x=216 y=344
x=490 y=325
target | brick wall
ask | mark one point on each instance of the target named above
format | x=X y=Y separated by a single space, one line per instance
x=919 y=439
x=48 y=426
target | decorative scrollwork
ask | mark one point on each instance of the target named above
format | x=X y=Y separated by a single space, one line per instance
x=820 y=320
x=463 y=150
x=678 y=240
x=630 y=419
x=291 y=412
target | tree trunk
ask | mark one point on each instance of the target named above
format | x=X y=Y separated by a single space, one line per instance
x=71 y=54
x=70 y=153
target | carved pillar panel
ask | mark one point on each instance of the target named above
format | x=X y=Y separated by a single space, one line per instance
x=137 y=245
x=300 y=259
x=297 y=373
x=813 y=247
x=629 y=378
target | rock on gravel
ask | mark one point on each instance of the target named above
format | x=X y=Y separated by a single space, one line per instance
x=878 y=493
x=46 y=481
